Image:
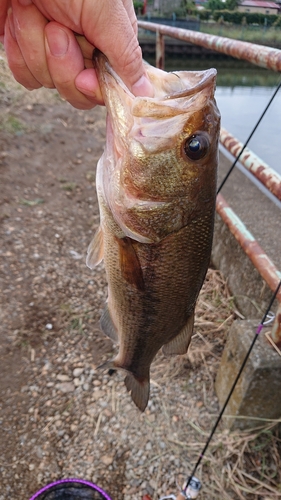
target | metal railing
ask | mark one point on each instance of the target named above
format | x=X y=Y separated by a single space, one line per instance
x=266 y=57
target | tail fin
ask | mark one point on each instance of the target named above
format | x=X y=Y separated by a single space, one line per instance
x=138 y=387
x=139 y=390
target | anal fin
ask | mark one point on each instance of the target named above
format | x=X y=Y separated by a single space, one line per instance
x=108 y=326
x=180 y=343
x=95 y=250
x=139 y=390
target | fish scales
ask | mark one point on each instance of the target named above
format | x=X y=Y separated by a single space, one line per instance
x=156 y=185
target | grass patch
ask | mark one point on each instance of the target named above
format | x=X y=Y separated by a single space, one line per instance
x=69 y=186
x=13 y=125
x=32 y=203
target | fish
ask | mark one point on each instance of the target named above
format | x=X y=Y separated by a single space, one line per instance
x=156 y=188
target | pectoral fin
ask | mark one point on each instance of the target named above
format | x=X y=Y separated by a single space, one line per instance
x=180 y=343
x=130 y=266
x=108 y=326
x=95 y=250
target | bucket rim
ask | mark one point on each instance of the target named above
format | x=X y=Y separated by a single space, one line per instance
x=67 y=480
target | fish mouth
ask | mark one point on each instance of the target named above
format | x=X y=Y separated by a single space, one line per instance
x=175 y=94
x=175 y=85
x=206 y=80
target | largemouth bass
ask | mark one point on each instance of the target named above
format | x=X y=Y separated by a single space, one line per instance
x=156 y=186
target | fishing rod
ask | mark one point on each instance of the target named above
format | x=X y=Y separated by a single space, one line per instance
x=193 y=485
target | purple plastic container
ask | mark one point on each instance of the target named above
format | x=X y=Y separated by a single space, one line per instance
x=71 y=489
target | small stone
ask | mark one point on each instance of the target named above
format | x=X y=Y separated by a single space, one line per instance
x=63 y=378
x=77 y=382
x=31 y=467
x=107 y=459
x=98 y=395
x=39 y=477
x=91 y=411
x=77 y=372
x=153 y=484
x=49 y=326
x=96 y=382
x=66 y=387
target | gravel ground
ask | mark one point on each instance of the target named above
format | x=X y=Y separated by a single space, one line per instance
x=60 y=416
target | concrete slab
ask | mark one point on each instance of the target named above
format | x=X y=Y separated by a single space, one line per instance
x=257 y=394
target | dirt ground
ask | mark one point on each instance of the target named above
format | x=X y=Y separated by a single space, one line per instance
x=48 y=215
x=59 y=417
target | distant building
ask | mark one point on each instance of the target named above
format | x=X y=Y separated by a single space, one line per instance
x=260 y=6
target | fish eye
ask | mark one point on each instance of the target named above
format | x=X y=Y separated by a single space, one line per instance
x=196 y=146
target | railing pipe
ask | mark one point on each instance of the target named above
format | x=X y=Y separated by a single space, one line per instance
x=160 y=50
x=266 y=175
x=266 y=57
x=261 y=261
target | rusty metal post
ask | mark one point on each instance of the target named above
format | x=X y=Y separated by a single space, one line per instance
x=160 y=50
x=266 y=175
x=261 y=261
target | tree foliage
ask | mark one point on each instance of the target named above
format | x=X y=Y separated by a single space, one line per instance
x=231 y=4
x=236 y=17
x=215 y=5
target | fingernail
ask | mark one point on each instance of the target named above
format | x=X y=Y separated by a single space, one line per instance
x=11 y=23
x=58 y=42
x=143 y=87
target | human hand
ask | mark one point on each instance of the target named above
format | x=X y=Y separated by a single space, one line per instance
x=43 y=53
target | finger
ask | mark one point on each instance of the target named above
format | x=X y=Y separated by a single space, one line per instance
x=65 y=61
x=114 y=25
x=15 y=60
x=4 y=5
x=129 y=7
x=29 y=30
x=87 y=83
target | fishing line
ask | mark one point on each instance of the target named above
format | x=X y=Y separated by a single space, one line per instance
x=258 y=330
x=250 y=136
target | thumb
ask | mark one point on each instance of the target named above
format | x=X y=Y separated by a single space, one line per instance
x=114 y=34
